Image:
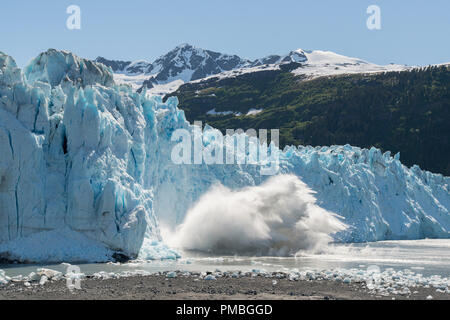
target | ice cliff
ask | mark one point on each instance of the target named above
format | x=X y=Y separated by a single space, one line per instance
x=73 y=155
x=86 y=171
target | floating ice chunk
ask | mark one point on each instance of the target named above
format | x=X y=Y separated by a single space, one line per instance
x=49 y=274
x=103 y=275
x=155 y=250
x=33 y=276
x=43 y=280
x=293 y=277
x=3 y=278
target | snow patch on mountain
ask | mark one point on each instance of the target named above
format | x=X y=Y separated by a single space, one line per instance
x=135 y=81
x=238 y=72
x=163 y=89
x=253 y=112
x=327 y=63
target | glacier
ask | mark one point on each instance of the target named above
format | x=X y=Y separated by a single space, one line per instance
x=86 y=171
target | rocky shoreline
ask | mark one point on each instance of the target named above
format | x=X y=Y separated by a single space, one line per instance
x=46 y=285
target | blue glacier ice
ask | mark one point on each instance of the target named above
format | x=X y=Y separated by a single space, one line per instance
x=86 y=171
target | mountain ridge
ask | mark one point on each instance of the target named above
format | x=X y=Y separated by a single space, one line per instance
x=186 y=63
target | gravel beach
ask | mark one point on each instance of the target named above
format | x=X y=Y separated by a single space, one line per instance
x=160 y=287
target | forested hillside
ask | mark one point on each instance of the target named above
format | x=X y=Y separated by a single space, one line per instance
x=407 y=112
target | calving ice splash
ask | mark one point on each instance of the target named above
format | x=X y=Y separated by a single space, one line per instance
x=86 y=174
x=277 y=218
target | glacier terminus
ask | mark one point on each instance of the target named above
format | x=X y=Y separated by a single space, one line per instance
x=86 y=175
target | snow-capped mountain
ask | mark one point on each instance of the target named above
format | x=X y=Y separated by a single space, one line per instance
x=187 y=63
x=87 y=172
x=183 y=64
x=311 y=64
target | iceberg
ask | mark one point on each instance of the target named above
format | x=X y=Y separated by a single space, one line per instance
x=86 y=163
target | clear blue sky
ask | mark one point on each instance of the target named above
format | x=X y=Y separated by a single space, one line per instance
x=414 y=32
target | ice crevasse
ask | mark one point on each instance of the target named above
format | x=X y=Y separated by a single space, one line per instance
x=86 y=171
